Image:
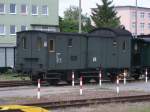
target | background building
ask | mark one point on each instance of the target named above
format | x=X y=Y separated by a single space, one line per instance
x=128 y=18
x=18 y=15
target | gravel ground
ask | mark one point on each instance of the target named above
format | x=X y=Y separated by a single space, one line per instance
x=74 y=95
x=124 y=107
x=30 y=91
x=15 y=95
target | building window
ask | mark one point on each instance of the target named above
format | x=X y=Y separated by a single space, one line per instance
x=149 y=15
x=23 y=27
x=69 y=42
x=142 y=14
x=44 y=10
x=149 y=26
x=24 y=43
x=142 y=27
x=51 y=46
x=12 y=30
x=2 y=8
x=23 y=9
x=133 y=15
x=39 y=43
x=2 y=29
x=34 y=10
x=44 y=28
x=12 y=8
x=133 y=25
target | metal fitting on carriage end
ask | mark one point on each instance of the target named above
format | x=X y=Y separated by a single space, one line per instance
x=108 y=74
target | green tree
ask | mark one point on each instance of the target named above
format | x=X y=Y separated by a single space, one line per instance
x=70 y=21
x=71 y=13
x=105 y=15
x=68 y=25
x=86 y=24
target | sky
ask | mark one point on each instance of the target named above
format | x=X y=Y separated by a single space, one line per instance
x=88 y=4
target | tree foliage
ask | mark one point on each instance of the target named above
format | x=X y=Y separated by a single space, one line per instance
x=72 y=13
x=70 y=21
x=105 y=15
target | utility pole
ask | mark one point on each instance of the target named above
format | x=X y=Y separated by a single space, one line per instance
x=136 y=19
x=80 y=10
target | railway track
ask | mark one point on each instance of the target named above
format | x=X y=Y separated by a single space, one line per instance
x=86 y=102
x=14 y=83
x=27 y=83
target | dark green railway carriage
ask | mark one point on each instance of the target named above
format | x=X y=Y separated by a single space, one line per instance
x=50 y=55
x=141 y=54
x=145 y=40
x=110 y=48
x=146 y=53
x=138 y=57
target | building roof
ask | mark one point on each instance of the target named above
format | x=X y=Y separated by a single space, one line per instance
x=119 y=7
x=44 y=25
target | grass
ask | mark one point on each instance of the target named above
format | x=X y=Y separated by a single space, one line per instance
x=12 y=76
x=140 y=109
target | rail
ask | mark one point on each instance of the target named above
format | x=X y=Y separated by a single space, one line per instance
x=14 y=83
x=85 y=102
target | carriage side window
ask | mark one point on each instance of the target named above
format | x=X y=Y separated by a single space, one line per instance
x=124 y=46
x=24 y=43
x=73 y=58
x=69 y=42
x=51 y=46
x=114 y=43
x=39 y=43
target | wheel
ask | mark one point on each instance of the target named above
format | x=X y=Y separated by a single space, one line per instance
x=85 y=80
x=96 y=79
x=113 y=78
x=53 y=81
x=34 y=79
x=69 y=82
x=136 y=77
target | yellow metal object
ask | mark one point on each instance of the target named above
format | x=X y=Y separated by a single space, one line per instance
x=23 y=108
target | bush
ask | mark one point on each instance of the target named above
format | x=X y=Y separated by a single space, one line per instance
x=6 y=70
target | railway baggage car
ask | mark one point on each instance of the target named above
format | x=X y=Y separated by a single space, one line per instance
x=50 y=55
x=110 y=48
